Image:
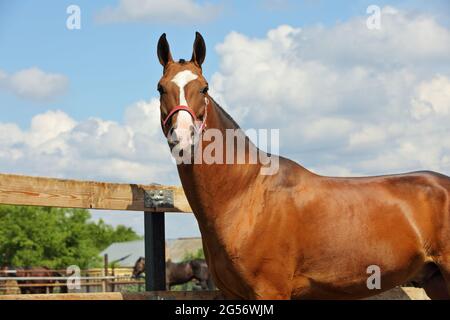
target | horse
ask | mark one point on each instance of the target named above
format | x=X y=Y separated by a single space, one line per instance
x=183 y=272
x=180 y=273
x=28 y=286
x=296 y=234
x=139 y=268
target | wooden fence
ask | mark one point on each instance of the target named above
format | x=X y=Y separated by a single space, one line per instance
x=153 y=200
x=106 y=279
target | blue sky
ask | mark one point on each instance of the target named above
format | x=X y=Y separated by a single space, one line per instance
x=111 y=65
x=111 y=71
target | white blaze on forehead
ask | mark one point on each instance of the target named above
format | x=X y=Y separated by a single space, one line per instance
x=184 y=119
x=181 y=79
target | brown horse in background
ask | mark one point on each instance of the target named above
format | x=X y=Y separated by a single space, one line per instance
x=180 y=273
x=139 y=268
x=28 y=286
x=296 y=234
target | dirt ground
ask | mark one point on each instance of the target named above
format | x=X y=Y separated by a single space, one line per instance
x=399 y=293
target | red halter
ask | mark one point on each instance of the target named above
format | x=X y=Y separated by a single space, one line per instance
x=192 y=113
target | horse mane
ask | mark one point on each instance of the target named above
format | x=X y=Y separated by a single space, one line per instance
x=226 y=114
x=234 y=123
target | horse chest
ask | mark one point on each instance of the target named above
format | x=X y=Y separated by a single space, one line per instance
x=229 y=275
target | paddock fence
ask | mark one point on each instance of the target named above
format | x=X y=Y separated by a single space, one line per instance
x=153 y=200
x=106 y=279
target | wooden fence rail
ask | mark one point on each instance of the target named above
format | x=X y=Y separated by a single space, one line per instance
x=4 y=287
x=156 y=295
x=53 y=278
x=63 y=193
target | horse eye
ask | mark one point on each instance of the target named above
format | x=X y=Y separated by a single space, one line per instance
x=161 y=89
x=205 y=90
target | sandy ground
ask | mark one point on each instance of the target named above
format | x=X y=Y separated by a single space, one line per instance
x=399 y=293
x=402 y=293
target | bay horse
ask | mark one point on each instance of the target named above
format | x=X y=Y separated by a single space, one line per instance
x=30 y=286
x=296 y=234
x=180 y=273
x=138 y=268
x=27 y=286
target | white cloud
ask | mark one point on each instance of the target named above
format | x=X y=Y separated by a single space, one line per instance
x=133 y=151
x=346 y=98
x=3 y=77
x=418 y=38
x=432 y=97
x=56 y=145
x=154 y=11
x=368 y=136
x=34 y=84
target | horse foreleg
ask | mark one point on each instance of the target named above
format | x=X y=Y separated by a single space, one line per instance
x=210 y=283
x=436 y=288
x=204 y=285
x=442 y=285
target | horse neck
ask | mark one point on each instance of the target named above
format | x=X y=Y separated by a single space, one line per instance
x=206 y=184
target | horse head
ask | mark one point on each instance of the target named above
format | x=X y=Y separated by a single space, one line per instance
x=139 y=267
x=183 y=96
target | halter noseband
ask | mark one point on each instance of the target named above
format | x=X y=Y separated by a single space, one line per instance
x=191 y=112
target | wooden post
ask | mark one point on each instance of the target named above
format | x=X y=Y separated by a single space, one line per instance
x=113 y=287
x=87 y=287
x=105 y=271
x=155 y=253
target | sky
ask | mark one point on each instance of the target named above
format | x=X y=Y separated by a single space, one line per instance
x=348 y=100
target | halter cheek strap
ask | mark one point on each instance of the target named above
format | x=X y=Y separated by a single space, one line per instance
x=192 y=113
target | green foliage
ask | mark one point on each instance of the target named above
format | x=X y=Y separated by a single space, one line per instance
x=104 y=234
x=57 y=238
x=188 y=286
x=132 y=288
x=196 y=255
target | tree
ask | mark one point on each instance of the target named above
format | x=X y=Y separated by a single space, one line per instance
x=104 y=234
x=199 y=254
x=57 y=238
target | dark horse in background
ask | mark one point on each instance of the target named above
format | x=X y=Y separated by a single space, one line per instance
x=29 y=286
x=180 y=273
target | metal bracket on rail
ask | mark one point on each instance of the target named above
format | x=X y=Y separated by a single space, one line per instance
x=158 y=198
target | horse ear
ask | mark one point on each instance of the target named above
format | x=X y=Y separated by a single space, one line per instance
x=164 y=54
x=199 y=53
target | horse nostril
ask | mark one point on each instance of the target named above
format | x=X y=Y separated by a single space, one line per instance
x=172 y=136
